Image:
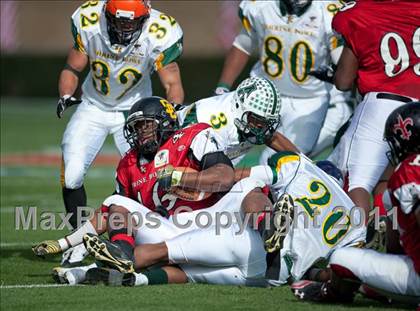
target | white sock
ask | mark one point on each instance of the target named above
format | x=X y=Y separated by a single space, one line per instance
x=76 y=237
x=141 y=279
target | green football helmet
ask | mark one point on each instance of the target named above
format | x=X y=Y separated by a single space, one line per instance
x=256 y=105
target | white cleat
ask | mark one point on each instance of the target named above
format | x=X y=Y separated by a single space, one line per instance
x=71 y=276
x=74 y=256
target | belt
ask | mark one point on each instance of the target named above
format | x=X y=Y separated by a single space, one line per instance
x=394 y=97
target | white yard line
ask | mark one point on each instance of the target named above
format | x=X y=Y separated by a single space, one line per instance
x=34 y=286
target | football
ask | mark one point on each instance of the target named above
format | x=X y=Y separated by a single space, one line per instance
x=185 y=194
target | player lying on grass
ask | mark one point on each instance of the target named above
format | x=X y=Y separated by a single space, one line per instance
x=248 y=110
x=136 y=176
x=394 y=275
x=205 y=256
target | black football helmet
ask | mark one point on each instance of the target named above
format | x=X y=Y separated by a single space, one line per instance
x=151 y=121
x=402 y=132
x=296 y=7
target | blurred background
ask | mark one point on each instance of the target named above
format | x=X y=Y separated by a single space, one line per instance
x=36 y=35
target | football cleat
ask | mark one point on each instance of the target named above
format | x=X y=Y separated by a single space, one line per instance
x=47 y=247
x=74 y=256
x=70 y=276
x=280 y=220
x=109 y=277
x=108 y=253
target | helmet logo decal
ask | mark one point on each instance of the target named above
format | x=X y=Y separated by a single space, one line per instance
x=169 y=109
x=402 y=127
x=245 y=91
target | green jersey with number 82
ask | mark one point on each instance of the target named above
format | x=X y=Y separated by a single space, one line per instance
x=291 y=46
x=120 y=75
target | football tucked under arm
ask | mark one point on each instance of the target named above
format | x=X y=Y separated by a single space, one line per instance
x=188 y=194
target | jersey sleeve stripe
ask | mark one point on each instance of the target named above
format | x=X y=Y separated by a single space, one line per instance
x=170 y=55
x=244 y=20
x=78 y=44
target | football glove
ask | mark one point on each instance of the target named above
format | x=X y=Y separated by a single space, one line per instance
x=65 y=102
x=324 y=73
x=46 y=248
x=168 y=177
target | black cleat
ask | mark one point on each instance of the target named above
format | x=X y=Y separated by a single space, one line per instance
x=308 y=290
x=108 y=253
x=280 y=221
x=109 y=277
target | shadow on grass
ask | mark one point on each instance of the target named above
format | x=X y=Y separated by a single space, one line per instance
x=25 y=253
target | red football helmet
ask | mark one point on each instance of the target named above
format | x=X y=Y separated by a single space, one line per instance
x=125 y=19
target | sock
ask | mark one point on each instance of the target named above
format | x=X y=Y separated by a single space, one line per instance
x=155 y=277
x=124 y=240
x=141 y=279
x=76 y=237
x=72 y=199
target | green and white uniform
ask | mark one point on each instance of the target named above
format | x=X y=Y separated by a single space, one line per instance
x=118 y=77
x=318 y=199
x=219 y=112
x=289 y=47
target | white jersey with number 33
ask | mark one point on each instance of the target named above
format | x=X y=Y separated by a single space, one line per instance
x=120 y=75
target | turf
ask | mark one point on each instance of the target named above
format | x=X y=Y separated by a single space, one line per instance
x=29 y=126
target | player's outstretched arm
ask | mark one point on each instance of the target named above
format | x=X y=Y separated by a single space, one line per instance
x=279 y=142
x=170 y=77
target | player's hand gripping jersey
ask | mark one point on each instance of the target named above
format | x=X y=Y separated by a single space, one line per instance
x=404 y=188
x=290 y=46
x=119 y=75
x=388 y=57
x=185 y=148
x=320 y=202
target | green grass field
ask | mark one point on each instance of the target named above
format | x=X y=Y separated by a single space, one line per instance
x=30 y=126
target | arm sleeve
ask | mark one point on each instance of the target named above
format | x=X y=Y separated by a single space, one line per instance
x=408 y=195
x=168 y=48
x=263 y=173
x=122 y=184
x=245 y=41
x=205 y=142
x=79 y=43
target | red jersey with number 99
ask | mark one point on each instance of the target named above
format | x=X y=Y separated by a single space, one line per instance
x=385 y=38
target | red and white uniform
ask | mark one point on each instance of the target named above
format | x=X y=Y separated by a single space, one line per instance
x=184 y=149
x=388 y=53
x=395 y=274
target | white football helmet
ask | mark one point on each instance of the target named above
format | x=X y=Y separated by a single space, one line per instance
x=256 y=106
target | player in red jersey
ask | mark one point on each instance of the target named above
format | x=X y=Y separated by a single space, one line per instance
x=382 y=56
x=395 y=276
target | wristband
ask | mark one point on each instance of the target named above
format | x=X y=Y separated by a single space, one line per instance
x=176 y=178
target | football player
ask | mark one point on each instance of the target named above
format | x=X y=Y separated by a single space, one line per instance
x=243 y=118
x=381 y=57
x=292 y=38
x=388 y=274
x=321 y=213
x=122 y=42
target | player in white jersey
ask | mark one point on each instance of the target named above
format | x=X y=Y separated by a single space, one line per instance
x=226 y=257
x=324 y=217
x=255 y=99
x=122 y=42
x=292 y=38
